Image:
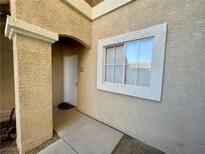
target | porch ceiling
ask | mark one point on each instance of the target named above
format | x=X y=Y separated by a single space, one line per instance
x=93 y=2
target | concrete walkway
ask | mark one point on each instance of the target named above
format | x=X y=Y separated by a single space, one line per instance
x=80 y=134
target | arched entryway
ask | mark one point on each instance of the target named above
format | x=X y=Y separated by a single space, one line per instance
x=67 y=55
x=32 y=47
x=65 y=50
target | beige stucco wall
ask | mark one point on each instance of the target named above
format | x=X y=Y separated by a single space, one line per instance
x=176 y=124
x=57 y=73
x=7 y=100
x=33 y=91
x=54 y=15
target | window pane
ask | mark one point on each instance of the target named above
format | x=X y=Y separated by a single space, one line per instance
x=139 y=51
x=143 y=77
x=132 y=49
x=145 y=53
x=109 y=72
x=130 y=74
x=144 y=62
x=110 y=53
x=139 y=58
x=119 y=55
x=118 y=74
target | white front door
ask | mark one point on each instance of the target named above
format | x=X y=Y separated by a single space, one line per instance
x=70 y=79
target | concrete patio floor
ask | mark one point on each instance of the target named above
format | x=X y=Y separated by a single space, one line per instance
x=81 y=134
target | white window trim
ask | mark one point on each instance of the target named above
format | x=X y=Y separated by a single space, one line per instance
x=154 y=91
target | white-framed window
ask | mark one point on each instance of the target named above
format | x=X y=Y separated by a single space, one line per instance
x=129 y=63
x=132 y=63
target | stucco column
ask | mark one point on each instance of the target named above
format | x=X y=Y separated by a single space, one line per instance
x=33 y=83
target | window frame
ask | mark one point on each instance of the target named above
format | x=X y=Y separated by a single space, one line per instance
x=153 y=92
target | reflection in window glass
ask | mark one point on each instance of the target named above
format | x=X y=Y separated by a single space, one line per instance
x=130 y=75
x=132 y=66
x=143 y=77
x=139 y=59
x=110 y=53
x=118 y=74
x=109 y=72
x=139 y=51
x=132 y=50
x=119 y=54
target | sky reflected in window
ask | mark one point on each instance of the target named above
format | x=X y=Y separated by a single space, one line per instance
x=139 y=52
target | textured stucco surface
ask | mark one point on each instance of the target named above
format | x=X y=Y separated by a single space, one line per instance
x=6 y=74
x=33 y=91
x=55 y=16
x=57 y=73
x=176 y=124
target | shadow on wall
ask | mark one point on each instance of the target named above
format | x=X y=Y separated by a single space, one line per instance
x=7 y=101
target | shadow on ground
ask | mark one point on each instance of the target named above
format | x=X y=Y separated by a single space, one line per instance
x=129 y=145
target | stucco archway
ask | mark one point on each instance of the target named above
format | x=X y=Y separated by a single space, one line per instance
x=55 y=16
x=66 y=46
x=74 y=38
